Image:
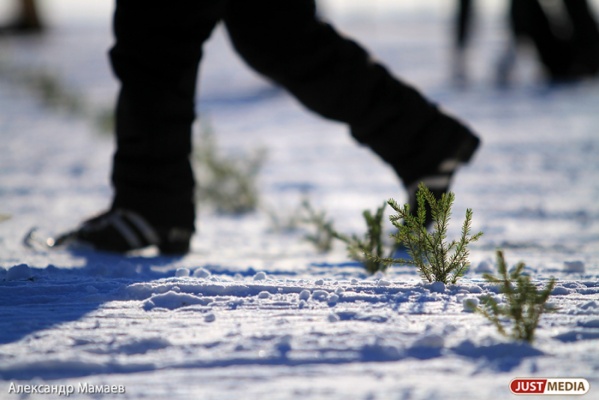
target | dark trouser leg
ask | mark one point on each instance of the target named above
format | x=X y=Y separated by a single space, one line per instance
x=529 y=20
x=463 y=24
x=156 y=55
x=585 y=37
x=336 y=78
x=462 y=34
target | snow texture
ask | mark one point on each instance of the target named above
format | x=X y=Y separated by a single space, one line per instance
x=256 y=313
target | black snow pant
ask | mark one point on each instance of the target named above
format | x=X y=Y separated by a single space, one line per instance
x=463 y=22
x=156 y=56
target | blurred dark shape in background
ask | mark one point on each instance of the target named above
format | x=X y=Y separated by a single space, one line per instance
x=564 y=34
x=26 y=21
x=463 y=26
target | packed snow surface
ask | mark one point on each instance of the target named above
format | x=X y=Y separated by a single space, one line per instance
x=254 y=311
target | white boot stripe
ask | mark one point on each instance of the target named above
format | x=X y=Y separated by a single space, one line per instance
x=143 y=226
x=449 y=165
x=440 y=182
x=437 y=182
x=126 y=232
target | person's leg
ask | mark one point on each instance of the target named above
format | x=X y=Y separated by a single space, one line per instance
x=530 y=21
x=463 y=24
x=29 y=14
x=583 y=19
x=155 y=57
x=585 y=38
x=461 y=36
x=26 y=21
x=338 y=79
x=506 y=63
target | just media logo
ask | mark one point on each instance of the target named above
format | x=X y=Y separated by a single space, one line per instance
x=549 y=386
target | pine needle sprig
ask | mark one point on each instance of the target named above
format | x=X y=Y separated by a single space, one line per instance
x=435 y=258
x=369 y=249
x=524 y=302
x=228 y=183
x=323 y=233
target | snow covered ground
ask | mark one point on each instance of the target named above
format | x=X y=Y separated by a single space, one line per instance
x=257 y=313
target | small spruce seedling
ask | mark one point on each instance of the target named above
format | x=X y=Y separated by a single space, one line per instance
x=55 y=94
x=524 y=302
x=369 y=249
x=285 y=221
x=228 y=183
x=436 y=259
x=323 y=233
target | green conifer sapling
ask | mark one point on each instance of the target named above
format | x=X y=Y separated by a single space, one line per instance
x=369 y=249
x=324 y=233
x=436 y=259
x=524 y=303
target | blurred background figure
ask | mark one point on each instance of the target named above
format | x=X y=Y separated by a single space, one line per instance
x=463 y=22
x=27 y=19
x=563 y=33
